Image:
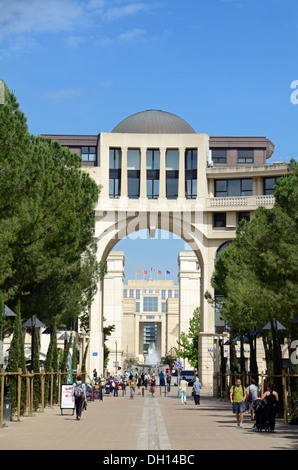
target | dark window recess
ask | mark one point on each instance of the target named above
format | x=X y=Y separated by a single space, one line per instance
x=243 y=215
x=219 y=219
x=115 y=183
x=115 y=173
x=152 y=184
x=191 y=173
x=245 y=155
x=88 y=154
x=219 y=155
x=269 y=184
x=233 y=187
x=172 y=184
x=133 y=184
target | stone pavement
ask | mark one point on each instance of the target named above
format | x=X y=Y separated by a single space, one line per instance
x=146 y=423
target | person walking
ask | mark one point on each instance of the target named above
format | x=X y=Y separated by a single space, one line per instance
x=183 y=388
x=252 y=393
x=132 y=387
x=116 y=387
x=237 y=398
x=152 y=385
x=271 y=398
x=197 y=391
x=139 y=384
x=79 y=396
x=169 y=382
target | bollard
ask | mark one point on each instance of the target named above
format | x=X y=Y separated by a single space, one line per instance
x=143 y=390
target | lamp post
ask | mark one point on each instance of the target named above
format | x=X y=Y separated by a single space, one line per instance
x=32 y=323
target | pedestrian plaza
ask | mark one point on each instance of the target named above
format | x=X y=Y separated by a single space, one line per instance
x=145 y=423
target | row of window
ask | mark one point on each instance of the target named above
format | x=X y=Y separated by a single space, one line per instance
x=220 y=218
x=150 y=304
x=153 y=172
x=219 y=155
x=137 y=293
x=242 y=187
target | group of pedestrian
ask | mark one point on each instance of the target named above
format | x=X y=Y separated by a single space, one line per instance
x=239 y=396
x=196 y=390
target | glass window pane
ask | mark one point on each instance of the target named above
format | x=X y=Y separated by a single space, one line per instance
x=221 y=185
x=133 y=159
x=234 y=188
x=172 y=160
x=172 y=188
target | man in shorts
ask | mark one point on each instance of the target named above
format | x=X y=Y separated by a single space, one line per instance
x=237 y=398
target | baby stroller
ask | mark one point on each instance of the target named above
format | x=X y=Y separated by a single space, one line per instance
x=261 y=421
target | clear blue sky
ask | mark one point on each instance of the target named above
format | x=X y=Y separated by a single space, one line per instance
x=225 y=66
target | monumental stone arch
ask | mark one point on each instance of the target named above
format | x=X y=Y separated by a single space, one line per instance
x=156 y=172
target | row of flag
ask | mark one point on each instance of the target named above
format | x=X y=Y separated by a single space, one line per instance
x=138 y=271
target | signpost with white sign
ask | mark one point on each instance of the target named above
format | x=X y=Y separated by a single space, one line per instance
x=67 y=403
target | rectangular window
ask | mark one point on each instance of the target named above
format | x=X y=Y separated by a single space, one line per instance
x=269 y=184
x=115 y=173
x=245 y=155
x=170 y=293
x=152 y=167
x=125 y=293
x=137 y=294
x=172 y=173
x=176 y=293
x=191 y=173
x=150 y=304
x=219 y=155
x=163 y=294
x=233 y=188
x=164 y=307
x=88 y=154
x=243 y=215
x=219 y=219
x=133 y=173
x=130 y=292
x=137 y=307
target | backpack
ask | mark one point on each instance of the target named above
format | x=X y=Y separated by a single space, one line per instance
x=78 y=391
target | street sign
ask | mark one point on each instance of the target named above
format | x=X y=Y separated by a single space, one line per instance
x=178 y=365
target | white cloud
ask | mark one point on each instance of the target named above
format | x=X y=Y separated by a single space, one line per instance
x=62 y=94
x=19 y=17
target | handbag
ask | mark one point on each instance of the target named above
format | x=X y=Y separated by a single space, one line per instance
x=180 y=386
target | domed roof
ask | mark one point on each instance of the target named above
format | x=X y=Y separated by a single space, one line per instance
x=153 y=122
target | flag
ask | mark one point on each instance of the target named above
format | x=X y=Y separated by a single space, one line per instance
x=159 y=272
x=168 y=272
x=145 y=272
x=152 y=269
x=138 y=271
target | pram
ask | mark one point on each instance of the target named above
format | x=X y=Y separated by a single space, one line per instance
x=261 y=420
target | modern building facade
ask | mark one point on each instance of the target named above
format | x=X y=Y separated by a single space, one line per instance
x=148 y=311
x=156 y=172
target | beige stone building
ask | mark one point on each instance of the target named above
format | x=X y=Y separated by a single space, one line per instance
x=157 y=172
x=146 y=312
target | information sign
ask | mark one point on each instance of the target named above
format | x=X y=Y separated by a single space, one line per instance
x=66 y=398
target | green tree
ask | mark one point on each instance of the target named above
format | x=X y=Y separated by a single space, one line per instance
x=16 y=361
x=47 y=223
x=188 y=343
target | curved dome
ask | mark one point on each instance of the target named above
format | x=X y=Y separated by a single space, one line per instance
x=153 y=122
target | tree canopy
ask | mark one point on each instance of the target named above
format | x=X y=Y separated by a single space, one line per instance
x=257 y=273
x=47 y=220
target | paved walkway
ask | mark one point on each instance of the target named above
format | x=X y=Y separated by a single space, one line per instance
x=145 y=423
